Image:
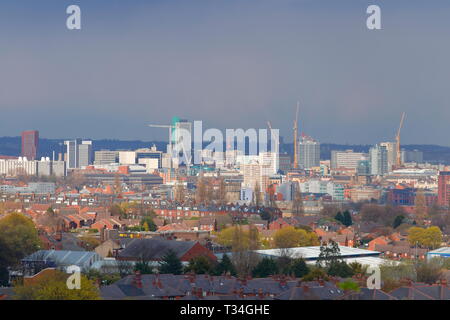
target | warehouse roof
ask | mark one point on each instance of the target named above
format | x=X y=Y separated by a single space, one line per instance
x=444 y=251
x=64 y=257
x=312 y=253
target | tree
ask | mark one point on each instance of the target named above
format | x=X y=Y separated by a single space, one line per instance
x=201 y=192
x=340 y=269
x=143 y=267
x=316 y=273
x=102 y=277
x=225 y=266
x=221 y=194
x=266 y=215
x=180 y=192
x=116 y=210
x=148 y=223
x=289 y=237
x=265 y=268
x=257 y=192
x=349 y=285
x=392 y=274
x=358 y=268
x=430 y=237
x=171 y=263
x=297 y=203
x=329 y=254
x=299 y=267
x=380 y=214
x=18 y=238
x=398 y=221
x=125 y=268
x=429 y=271
x=329 y=211
x=420 y=204
x=347 y=219
x=441 y=220
x=200 y=265
x=243 y=245
x=226 y=237
x=339 y=217
x=54 y=287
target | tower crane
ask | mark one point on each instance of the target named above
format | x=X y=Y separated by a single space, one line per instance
x=397 y=139
x=296 y=137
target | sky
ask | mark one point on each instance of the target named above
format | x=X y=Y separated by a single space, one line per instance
x=229 y=63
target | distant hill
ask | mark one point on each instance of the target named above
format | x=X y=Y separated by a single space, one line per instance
x=11 y=146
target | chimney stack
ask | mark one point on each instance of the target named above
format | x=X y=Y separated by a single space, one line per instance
x=260 y=293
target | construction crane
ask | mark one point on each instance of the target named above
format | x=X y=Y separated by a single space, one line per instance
x=164 y=126
x=296 y=137
x=397 y=138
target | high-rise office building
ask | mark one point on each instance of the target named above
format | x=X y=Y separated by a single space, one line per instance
x=181 y=139
x=346 y=159
x=270 y=162
x=308 y=153
x=378 y=157
x=284 y=162
x=71 y=154
x=30 y=142
x=78 y=153
x=106 y=157
x=151 y=153
x=444 y=188
x=255 y=174
x=391 y=148
x=85 y=153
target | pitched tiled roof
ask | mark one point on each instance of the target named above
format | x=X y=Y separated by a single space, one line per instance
x=154 y=249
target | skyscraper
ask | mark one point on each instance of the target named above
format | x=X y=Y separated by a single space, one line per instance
x=391 y=148
x=346 y=159
x=309 y=153
x=444 y=188
x=30 y=142
x=79 y=153
x=85 y=153
x=181 y=138
x=378 y=157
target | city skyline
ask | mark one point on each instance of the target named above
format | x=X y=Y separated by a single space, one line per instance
x=142 y=63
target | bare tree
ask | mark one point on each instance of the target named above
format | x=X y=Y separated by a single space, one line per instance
x=221 y=192
x=420 y=204
x=244 y=244
x=297 y=203
x=180 y=192
x=124 y=268
x=257 y=197
x=200 y=194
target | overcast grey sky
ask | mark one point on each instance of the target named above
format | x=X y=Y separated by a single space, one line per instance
x=229 y=63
